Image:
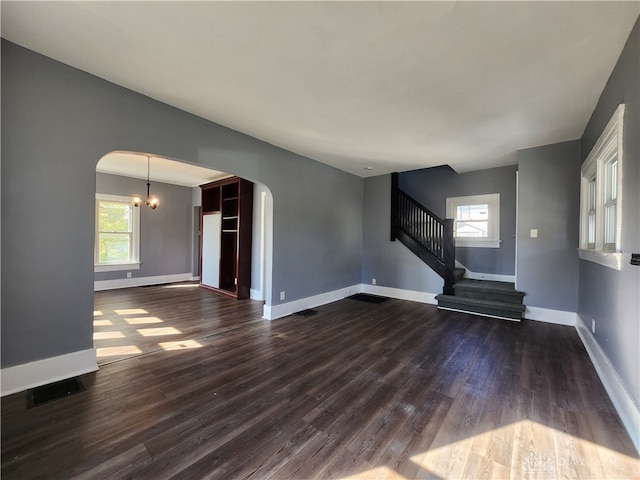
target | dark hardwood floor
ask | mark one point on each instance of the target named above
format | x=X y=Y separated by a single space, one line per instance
x=359 y=390
x=133 y=321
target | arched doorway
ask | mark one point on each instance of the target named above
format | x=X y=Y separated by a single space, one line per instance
x=168 y=251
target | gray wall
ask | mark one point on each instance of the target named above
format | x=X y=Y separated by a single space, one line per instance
x=432 y=186
x=165 y=233
x=549 y=201
x=57 y=122
x=609 y=296
x=390 y=263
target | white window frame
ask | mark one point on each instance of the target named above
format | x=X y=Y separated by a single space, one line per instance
x=493 y=201
x=594 y=168
x=134 y=264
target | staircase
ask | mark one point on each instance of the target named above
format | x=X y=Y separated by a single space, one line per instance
x=431 y=239
x=424 y=233
x=483 y=297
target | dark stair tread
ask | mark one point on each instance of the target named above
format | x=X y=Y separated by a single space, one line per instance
x=488 y=285
x=514 y=307
x=488 y=291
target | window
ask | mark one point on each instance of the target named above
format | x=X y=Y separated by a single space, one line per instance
x=477 y=220
x=600 y=191
x=610 y=202
x=117 y=237
x=591 y=213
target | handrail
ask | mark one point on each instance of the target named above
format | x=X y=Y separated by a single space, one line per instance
x=422 y=231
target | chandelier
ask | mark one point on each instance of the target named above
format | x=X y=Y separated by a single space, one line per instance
x=152 y=201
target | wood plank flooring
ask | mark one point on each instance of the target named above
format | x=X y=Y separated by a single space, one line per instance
x=396 y=390
x=133 y=321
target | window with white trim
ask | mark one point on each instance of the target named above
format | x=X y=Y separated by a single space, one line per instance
x=477 y=220
x=117 y=238
x=601 y=199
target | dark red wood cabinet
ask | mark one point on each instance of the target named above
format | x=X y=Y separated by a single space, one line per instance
x=225 y=236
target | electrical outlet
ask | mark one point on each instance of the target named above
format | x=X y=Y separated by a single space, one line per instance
x=593 y=326
x=373 y=281
x=282 y=295
x=128 y=274
x=534 y=233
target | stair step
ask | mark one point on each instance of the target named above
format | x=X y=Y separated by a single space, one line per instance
x=485 y=307
x=488 y=290
x=458 y=274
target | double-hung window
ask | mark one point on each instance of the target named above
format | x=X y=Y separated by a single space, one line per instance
x=601 y=202
x=477 y=220
x=117 y=238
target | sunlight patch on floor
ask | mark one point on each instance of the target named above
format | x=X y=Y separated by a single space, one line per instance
x=131 y=311
x=525 y=449
x=154 y=332
x=113 y=351
x=102 y=323
x=136 y=327
x=107 y=335
x=180 y=345
x=143 y=320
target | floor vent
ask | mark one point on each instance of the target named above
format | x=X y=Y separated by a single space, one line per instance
x=306 y=313
x=53 y=391
x=365 y=297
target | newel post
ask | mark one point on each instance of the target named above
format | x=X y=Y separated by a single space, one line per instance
x=394 y=205
x=449 y=251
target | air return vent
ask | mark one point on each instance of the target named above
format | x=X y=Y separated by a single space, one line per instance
x=364 y=297
x=53 y=391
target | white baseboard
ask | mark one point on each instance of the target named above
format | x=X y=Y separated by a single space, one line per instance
x=255 y=294
x=399 y=293
x=278 y=311
x=42 y=372
x=548 y=315
x=272 y=312
x=141 y=281
x=622 y=401
x=559 y=317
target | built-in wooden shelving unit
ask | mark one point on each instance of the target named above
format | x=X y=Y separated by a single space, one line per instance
x=225 y=242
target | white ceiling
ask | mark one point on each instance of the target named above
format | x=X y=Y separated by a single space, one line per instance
x=160 y=169
x=390 y=85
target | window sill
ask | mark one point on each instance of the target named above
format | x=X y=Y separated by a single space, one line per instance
x=478 y=243
x=115 y=267
x=606 y=259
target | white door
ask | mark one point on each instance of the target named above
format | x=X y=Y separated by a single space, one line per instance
x=516 y=235
x=211 y=249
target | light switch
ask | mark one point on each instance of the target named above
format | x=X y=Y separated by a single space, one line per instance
x=534 y=233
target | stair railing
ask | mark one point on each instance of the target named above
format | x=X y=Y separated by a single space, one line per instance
x=424 y=233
